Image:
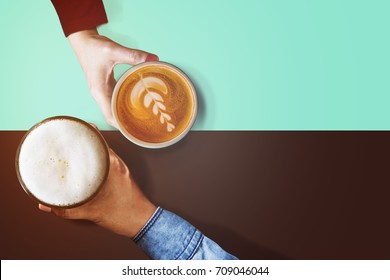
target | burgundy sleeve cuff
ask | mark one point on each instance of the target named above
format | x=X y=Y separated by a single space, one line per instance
x=77 y=15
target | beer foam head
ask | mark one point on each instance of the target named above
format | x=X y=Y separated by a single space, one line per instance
x=62 y=161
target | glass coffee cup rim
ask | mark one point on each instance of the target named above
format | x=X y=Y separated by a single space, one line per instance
x=106 y=152
x=152 y=145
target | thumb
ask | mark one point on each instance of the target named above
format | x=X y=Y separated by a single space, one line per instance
x=72 y=213
x=132 y=56
x=104 y=103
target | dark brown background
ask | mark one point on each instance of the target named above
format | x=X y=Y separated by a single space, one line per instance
x=260 y=195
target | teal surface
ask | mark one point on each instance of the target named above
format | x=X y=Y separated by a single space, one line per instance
x=257 y=64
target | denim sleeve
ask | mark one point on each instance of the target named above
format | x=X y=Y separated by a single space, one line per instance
x=166 y=236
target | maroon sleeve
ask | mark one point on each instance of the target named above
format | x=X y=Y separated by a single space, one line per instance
x=77 y=15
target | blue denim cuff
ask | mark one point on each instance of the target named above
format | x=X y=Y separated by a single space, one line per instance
x=166 y=236
x=148 y=224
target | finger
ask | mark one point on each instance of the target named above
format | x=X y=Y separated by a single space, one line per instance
x=44 y=208
x=114 y=158
x=94 y=126
x=104 y=103
x=151 y=57
x=112 y=153
x=72 y=213
x=75 y=213
x=116 y=161
x=103 y=95
x=132 y=56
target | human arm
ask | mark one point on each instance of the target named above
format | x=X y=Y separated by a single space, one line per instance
x=97 y=54
x=121 y=207
x=168 y=236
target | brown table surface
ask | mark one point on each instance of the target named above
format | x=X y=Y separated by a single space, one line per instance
x=260 y=195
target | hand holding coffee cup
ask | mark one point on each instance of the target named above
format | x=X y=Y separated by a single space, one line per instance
x=98 y=55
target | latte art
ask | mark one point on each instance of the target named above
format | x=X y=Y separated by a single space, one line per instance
x=154 y=103
x=151 y=88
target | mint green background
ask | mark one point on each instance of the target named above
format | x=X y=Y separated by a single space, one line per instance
x=258 y=64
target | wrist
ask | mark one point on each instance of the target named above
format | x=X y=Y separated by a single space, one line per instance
x=80 y=36
x=142 y=210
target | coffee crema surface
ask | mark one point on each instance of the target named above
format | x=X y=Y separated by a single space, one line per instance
x=155 y=104
x=62 y=162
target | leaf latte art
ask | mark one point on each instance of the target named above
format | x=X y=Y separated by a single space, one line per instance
x=154 y=104
x=149 y=85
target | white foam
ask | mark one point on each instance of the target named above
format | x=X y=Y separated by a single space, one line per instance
x=62 y=162
x=150 y=85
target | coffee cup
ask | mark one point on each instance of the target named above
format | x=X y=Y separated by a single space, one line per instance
x=154 y=104
x=62 y=162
